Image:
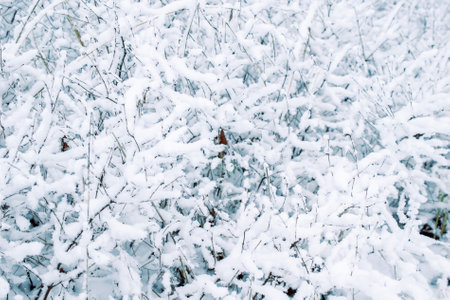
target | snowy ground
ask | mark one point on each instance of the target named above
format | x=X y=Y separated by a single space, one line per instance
x=239 y=149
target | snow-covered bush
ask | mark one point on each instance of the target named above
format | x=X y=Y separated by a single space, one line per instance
x=211 y=149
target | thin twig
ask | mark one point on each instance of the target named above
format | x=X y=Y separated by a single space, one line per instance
x=26 y=22
x=360 y=36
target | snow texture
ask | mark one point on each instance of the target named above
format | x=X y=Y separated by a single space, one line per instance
x=224 y=149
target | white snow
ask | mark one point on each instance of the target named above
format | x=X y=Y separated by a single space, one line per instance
x=19 y=251
x=332 y=181
x=4 y=288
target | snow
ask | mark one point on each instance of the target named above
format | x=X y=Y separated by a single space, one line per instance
x=116 y=182
x=19 y=251
x=124 y=232
x=22 y=223
x=4 y=288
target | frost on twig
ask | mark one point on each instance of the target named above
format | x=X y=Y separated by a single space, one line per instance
x=247 y=149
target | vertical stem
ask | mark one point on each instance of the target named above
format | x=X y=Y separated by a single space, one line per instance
x=87 y=273
x=1 y=59
x=360 y=36
x=88 y=198
x=269 y=186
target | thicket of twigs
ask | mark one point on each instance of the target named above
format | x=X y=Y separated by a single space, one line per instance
x=224 y=149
